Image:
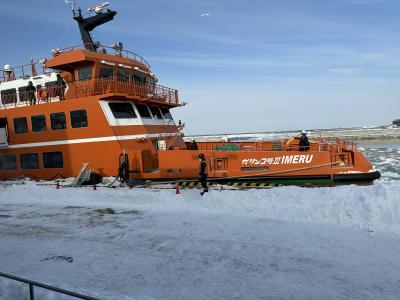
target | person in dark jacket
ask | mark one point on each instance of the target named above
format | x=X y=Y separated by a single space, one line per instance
x=203 y=173
x=193 y=145
x=304 y=144
x=30 y=93
x=60 y=88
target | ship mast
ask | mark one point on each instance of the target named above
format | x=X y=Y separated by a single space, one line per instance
x=86 y=25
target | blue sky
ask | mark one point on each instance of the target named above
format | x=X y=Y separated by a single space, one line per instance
x=258 y=65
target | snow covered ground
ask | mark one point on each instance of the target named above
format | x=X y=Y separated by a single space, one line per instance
x=281 y=243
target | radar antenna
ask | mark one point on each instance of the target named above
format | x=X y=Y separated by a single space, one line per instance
x=99 y=7
x=86 y=25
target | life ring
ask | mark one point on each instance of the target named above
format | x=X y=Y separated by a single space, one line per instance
x=290 y=143
x=42 y=94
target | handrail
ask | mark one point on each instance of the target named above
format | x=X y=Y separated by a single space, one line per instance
x=122 y=53
x=280 y=146
x=32 y=284
x=21 y=71
x=91 y=87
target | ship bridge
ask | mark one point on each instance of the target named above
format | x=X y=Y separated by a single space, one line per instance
x=107 y=74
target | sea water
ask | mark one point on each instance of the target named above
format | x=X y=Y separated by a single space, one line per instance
x=385 y=156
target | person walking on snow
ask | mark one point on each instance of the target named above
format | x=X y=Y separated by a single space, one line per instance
x=203 y=173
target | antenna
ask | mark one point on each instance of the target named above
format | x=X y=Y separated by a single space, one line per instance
x=72 y=3
x=87 y=24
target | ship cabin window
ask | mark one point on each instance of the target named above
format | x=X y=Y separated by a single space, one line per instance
x=150 y=81
x=20 y=125
x=106 y=72
x=122 y=110
x=166 y=113
x=143 y=111
x=58 y=121
x=139 y=77
x=85 y=73
x=9 y=96
x=8 y=162
x=22 y=94
x=53 y=160
x=38 y=123
x=78 y=118
x=29 y=161
x=156 y=112
x=123 y=75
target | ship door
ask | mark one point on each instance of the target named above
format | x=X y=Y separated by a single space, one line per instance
x=4 y=139
x=150 y=161
x=343 y=159
x=219 y=164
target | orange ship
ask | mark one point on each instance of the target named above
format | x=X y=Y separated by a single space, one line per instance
x=106 y=109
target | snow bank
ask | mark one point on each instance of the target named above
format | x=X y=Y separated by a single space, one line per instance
x=282 y=243
x=373 y=208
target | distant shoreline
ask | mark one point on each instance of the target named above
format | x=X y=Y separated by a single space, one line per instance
x=372 y=133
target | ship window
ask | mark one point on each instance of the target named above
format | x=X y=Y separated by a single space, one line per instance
x=38 y=123
x=143 y=111
x=139 y=77
x=166 y=113
x=123 y=75
x=22 y=94
x=52 y=160
x=58 y=121
x=156 y=112
x=29 y=161
x=8 y=96
x=106 y=72
x=122 y=110
x=20 y=125
x=78 y=118
x=8 y=162
x=84 y=73
x=150 y=81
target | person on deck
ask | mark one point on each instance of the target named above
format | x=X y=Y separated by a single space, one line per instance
x=203 y=173
x=60 y=88
x=30 y=93
x=193 y=145
x=304 y=144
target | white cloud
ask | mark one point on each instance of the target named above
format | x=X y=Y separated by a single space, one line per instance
x=345 y=71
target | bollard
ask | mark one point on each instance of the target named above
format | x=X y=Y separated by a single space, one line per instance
x=58 y=185
x=94 y=187
x=177 y=188
x=221 y=188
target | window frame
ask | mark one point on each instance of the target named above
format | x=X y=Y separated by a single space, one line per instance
x=14 y=162
x=165 y=112
x=45 y=123
x=111 y=104
x=82 y=69
x=8 y=93
x=71 y=118
x=52 y=115
x=26 y=125
x=109 y=68
x=149 y=117
x=46 y=162
x=29 y=168
x=157 y=116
